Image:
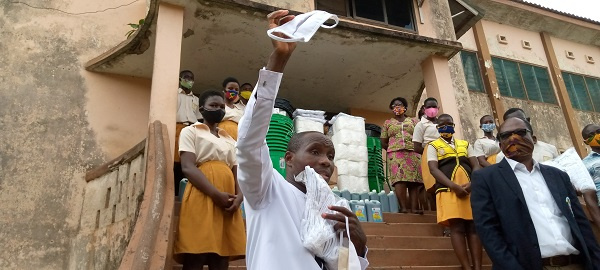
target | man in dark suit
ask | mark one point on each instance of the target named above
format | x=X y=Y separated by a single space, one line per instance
x=527 y=214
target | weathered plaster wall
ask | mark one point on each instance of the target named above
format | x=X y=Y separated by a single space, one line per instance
x=47 y=142
x=548 y=122
x=108 y=217
x=295 y=5
x=437 y=21
x=578 y=65
x=514 y=50
x=463 y=100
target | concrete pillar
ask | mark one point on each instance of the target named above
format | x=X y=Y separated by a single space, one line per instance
x=167 y=55
x=438 y=83
x=563 y=96
x=489 y=76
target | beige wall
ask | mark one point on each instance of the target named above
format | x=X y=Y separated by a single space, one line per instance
x=295 y=5
x=50 y=136
x=468 y=41
x=117 y=110
x=437 y=20
x=514 y=50
x=579 y=64
x=372 y=117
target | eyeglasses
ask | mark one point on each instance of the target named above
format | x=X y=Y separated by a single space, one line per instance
x=505 y=135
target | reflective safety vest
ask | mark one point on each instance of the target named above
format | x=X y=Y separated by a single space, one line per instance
x=451 y=159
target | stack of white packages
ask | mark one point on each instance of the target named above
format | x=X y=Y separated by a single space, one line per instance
x=351 y=156
x=308 y=120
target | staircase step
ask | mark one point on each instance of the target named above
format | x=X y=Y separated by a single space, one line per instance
x=408 y=242
x=380 y=257
x=402 y=229
x=409 y=218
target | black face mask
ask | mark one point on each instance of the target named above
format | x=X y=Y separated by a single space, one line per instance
x=213 y=116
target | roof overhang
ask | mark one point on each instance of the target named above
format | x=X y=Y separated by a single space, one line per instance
x=464 y=16
x=351 y=66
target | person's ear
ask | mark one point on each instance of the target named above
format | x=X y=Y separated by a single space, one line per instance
x=289 y=156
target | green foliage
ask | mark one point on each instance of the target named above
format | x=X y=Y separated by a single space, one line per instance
x=135 y=27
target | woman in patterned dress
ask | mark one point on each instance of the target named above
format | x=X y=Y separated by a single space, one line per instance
x=403 y=162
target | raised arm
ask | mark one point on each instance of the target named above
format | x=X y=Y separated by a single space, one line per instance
x=255 y=170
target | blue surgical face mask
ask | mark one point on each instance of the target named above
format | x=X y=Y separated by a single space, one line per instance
x=488 y=127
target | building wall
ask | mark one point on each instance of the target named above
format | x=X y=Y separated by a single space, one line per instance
x=295 y=5
x=579 y=65
x=514 y=50
x=53 y=128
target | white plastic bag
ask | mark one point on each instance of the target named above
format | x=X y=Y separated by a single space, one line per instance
x=571 y=163
x=344 y=121
x=354 y=168
x=303 y=124
x=317 y=233
x=350 y=137
x=348 y=258
x=351 y=152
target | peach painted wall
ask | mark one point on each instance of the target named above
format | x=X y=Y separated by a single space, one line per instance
x=514 y=50
x=468 y=41
x=579 y=64
x=117 y=110
x=372 y=117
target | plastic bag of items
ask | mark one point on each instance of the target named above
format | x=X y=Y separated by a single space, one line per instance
x=317 y=234
x=571 y=163
x=309 y=113
x=349 y=137
x=354 y=184
x=351 y=152
x=303 y=124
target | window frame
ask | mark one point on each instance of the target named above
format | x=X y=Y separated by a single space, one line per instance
x=351 y=10
x=587 y=90
x=476 y=53
x=519 y=63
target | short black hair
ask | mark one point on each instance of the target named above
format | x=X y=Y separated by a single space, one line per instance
x=228 y=80
x=184 y=72
x=421 y=111
x=245 y=84
x=207 y=94
x=487 y=115
x=401 y=99
x=588 y=130
x=297 y=140
x=445 y=115
x=429 y=99
x=511 y=111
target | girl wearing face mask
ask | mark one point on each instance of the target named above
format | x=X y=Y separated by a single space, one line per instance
x=211 y=228
x=245 y=92
x=403 y=161
x=451 y=164
x=486 y=148
x=233 y=109
x=426 y=132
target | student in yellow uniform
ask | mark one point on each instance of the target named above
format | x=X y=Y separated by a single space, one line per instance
x=451 y=166
x=211 y=228
x=234 y=109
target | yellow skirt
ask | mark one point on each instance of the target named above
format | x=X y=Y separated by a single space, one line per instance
x=203 y=226
x=230 y=127
x=178 y=128
x=492 y=159
x=428 y=179
x=450 y=206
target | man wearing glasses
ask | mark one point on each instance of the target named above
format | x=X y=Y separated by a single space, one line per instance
x=527 y=214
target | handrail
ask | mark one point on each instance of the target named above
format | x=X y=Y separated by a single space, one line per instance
x=151 y=243
x=126 y=157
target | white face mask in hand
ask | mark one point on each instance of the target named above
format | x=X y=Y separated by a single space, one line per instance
x=347 y=256
x=303 y=27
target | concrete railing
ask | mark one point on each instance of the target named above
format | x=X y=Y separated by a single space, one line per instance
x=126 y=219
x=151 y=243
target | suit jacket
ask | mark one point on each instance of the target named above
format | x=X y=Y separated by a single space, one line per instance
x=505 y=227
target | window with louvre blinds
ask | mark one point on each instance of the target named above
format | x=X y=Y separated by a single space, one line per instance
x=472 y=71
x=584 y=91
x=523 y=81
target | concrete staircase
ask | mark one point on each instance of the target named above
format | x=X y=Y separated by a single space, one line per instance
x=404 y=241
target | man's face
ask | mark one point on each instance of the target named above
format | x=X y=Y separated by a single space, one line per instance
x=316 y=151
x=515 y=139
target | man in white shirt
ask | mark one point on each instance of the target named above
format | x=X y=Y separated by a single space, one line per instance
x=188 y=113
x=527 y=214
x=274 y=206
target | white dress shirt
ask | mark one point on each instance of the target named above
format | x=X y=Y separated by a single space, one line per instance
x=544 y=151
x=274 y=208
x=551 y=226
x=425 y=131
x=485 y=147
x=234 y=114
x=188 y=107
